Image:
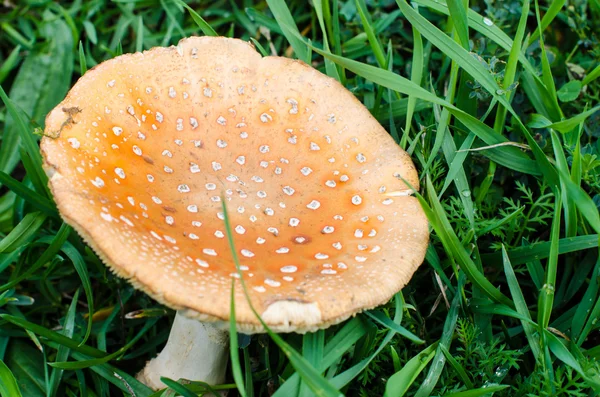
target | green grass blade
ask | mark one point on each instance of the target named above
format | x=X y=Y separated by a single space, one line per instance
x=177 y=387
x=8 y=383
x=339 y=344
x=38 y=201
x=9 y=63
x=23 y=233
x=62 y=353
x=202 y=24
x=511 y=65
x=398 y=384
x=376 y=47
x=564 y=355
x=546 y=298
x=591 y=76
x=521 y=306
x=585 y=307
x=118 y=377
x=82 y=60
x=81 y=269
x=460 y=370
x=435 y=371
x=551 y=13
x=483 y=391
x=80 y=364
x=29 y=144
x=439 y=221
x=416 y=75
x=56 y=244
x=285 y=20
x=53 y=336
x=330 y=67
x=458 y=16
x=384 y=320
x=541 y=250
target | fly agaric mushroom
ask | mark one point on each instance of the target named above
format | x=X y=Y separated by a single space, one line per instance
x=145 y=146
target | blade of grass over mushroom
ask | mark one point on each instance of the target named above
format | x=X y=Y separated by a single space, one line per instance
x=319 y=385
x=398 y=384
x=23 y=233
x=284 y=18
x=234 y=350
x=202 y=24
x=521 y=306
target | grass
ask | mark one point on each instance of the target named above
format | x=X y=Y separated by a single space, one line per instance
x=497 y=103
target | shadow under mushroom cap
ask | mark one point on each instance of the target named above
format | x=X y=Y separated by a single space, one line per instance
x=144 y=146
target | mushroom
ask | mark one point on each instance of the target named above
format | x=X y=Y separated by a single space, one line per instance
x=144 y=147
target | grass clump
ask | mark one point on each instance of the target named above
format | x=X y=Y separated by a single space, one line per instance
x=497 y=103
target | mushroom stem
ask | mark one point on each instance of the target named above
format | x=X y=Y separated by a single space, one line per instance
x=195 y=351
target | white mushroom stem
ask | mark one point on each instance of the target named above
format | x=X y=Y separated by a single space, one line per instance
x=195 y=351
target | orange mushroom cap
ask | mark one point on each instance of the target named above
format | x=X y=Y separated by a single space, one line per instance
x=144 y=146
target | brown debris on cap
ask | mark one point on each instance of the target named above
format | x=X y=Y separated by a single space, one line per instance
x=323 y=223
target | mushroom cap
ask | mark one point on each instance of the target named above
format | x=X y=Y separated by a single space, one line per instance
x=144 y=146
